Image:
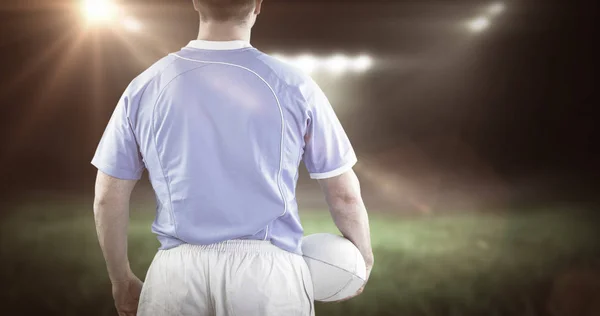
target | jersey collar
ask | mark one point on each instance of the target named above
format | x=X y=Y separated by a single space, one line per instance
x=214 y=45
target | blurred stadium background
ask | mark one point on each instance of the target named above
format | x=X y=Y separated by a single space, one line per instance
x=472 y=121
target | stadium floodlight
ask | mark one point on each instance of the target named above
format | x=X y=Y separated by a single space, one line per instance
x=338 y=64
x=99 y=11
x=132 y=24
x=496 y=8
x=479 y=24
x=362 y=63
x=335 y=65
x=307 y=63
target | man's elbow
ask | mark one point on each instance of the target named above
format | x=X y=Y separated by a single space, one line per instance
x=102 y=203
x=112 y=192
x=345 y=199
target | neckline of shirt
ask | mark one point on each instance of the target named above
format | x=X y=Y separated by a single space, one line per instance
x=219 y=45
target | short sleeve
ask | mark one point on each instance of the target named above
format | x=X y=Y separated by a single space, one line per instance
x=118 y=153
x=328 y=152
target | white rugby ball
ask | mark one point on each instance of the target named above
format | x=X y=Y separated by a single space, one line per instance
x=336 y=266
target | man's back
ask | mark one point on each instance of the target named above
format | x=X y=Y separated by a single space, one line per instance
x=222 y=129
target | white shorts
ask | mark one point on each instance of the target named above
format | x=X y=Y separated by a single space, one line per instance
x=239 y=277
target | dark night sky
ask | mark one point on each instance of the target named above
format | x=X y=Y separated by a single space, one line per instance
x=517 y=98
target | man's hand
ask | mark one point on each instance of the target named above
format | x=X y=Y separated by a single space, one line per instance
x=369 y=268
x=126 y=294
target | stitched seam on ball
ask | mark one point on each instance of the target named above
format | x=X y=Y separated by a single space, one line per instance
x=329 y=264
x=338 y=292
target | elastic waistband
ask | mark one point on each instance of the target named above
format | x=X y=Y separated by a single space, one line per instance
x=233 y=246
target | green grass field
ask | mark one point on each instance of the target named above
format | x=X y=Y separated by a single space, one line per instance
x=467 y=264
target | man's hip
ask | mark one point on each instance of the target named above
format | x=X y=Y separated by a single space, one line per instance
x=238 y=277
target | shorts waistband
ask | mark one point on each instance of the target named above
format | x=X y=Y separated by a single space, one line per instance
x=234 y=246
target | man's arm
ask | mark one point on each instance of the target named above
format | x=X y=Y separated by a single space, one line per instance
x=349 y=212
x=111 y=212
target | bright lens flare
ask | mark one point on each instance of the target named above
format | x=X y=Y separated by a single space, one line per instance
x=307 y=63
x=132 y=25
x=333 y=65
x=479 y=24
x=99 y=11
x=497 y=8
x=362 y=63
x=338 y=64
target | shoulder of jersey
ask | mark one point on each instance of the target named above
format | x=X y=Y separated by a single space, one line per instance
x=292 y=74
x=154 y=70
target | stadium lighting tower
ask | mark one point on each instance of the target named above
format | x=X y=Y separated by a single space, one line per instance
x=497 y=8
x=99 y=11
x=338 y=64
x=334 y=65
x=479 y=24
x=362 y=63
x=307 y=63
